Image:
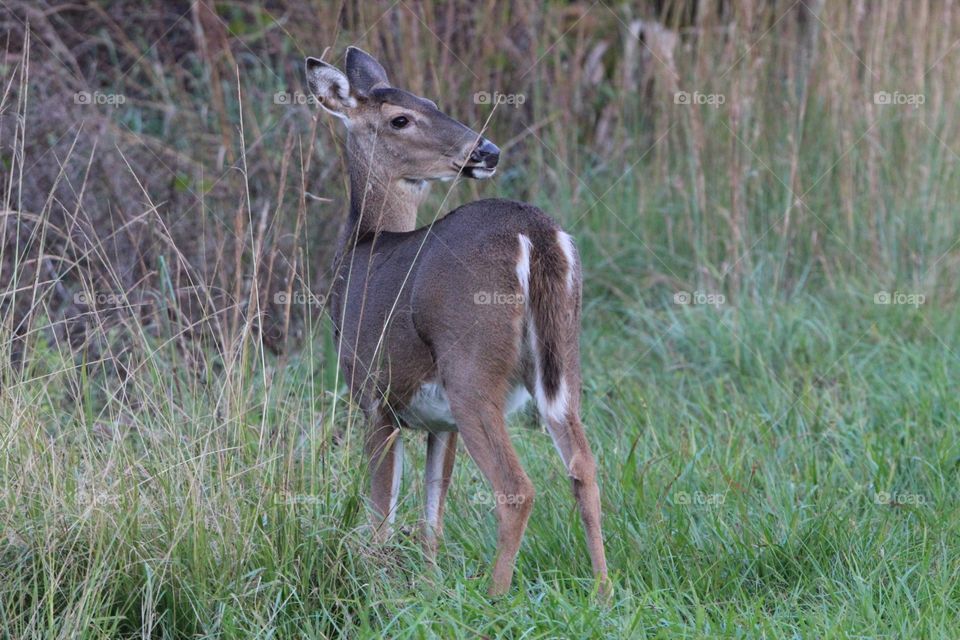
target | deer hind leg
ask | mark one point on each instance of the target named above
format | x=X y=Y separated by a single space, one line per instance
x=552 y=375
x=560 y=412
x=384 y=449
x=441 y=454
x=477 y=405
x=561 y=415
x=571 y=442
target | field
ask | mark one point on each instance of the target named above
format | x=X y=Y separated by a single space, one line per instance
x=764 y=199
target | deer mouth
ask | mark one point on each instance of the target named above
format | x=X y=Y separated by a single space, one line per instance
x=475 y=171
x=482 y=161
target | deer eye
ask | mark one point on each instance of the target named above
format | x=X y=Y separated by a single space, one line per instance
x=399 y=122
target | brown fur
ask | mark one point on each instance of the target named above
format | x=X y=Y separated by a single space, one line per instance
x=404 y=307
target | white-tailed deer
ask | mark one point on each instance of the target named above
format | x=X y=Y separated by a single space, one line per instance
x=449 y=327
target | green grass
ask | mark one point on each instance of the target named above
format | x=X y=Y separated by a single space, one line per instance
x=784 y=468
x=784 y=464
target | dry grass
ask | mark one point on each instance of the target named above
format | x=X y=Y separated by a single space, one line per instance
x=793 y=174
x=161 y=207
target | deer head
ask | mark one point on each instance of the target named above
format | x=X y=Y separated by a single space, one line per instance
x=396 y=134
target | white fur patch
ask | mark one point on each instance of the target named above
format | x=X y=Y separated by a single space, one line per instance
x=397 y=476
x=523 y=264
x=517 y=399
x=569 y=252
x=429 y=408
x=482 y=173
x=434 y=480
x=553 y=409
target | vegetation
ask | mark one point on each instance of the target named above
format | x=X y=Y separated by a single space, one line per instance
x=763 y=194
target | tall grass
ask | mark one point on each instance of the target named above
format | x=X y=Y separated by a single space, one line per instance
x=177 y=454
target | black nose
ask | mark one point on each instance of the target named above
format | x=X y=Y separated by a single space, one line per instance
x=487 y=153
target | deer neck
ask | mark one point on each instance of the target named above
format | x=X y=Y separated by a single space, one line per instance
x=379 y=201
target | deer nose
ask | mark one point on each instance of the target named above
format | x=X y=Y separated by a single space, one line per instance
x=487 y=153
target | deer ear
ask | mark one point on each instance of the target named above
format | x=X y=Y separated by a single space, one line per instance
x=330 y=87
x=365 y=73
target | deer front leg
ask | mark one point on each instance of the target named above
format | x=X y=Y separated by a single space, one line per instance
x=384 y=449
x=441 y=454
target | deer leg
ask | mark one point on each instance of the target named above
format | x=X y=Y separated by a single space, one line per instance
x=384 y=449
x=441 y=454
x=571 y=441
x=482 y=426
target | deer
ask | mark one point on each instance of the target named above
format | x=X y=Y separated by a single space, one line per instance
x=450 y=327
